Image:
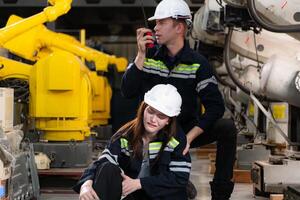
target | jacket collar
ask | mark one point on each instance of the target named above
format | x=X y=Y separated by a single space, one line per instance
x=183 y=56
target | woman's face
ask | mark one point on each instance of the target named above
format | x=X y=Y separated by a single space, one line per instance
x=154 y=120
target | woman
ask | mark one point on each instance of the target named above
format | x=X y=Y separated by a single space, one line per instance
x=144 y=159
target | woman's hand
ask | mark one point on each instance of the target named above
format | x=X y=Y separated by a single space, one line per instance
x=130 y=185
x=87 y=192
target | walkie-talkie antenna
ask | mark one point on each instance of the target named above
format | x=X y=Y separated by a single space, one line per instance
x=144 y=14
x=148 y=45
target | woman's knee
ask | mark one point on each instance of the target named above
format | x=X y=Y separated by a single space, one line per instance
x=108 y=169
x=108 y=181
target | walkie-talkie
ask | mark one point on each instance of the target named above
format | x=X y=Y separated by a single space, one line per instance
x=148 y=45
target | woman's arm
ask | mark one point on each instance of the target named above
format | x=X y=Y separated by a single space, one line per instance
x=175 y=178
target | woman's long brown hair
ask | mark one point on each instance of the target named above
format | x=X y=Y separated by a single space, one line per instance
x=134 y=131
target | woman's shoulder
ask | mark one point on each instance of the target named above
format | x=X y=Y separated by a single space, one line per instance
x=179 y=139
x=121 y=135
x=180 y=135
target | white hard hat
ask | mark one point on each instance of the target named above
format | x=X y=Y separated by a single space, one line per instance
x=177 y=9
x=165 y=99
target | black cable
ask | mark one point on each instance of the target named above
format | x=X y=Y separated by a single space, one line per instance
x=229 y=68
x=256 y=53
x=21 y=88
x=268 y=26
x=220 y=3
x=227 y=62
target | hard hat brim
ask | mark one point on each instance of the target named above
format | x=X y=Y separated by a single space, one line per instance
x=160 y=109
x=157 y=17
x=165 y=17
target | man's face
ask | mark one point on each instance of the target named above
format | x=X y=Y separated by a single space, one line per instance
x=165 y=31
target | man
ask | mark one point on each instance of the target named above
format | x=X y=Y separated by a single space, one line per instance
x=172 y=61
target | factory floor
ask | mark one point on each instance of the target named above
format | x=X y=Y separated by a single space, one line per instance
x=199 y=176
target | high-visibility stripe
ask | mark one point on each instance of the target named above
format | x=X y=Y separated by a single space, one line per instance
x=106 y=151
x=173 y=143
x=180 y=71
x=180 y=163
x=155 y=66
x=203 y=84
x=169 y=149
x=153 y=156
x=182 y=76
x=187 y=68
x=154 y=71
x=184 y=72
x=164 y=73
x=114 y=160
x=109 y=158
x=180 y=169
x=155 y=146
x=160 y=68
x=125 y=151
x=180 y=67
x=153 y=151
x=195 y=65
x=155 y=62
x=124 y=143
x=130 y=65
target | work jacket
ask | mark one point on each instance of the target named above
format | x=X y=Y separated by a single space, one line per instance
x=168 y=176
x=190 y=73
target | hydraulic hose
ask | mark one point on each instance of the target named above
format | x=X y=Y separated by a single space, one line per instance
x=228 y=65
x=229 y=68
x=270 y=27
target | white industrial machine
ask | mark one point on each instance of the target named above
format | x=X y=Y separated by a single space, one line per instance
x=6 y=107
x=18 y=172
x=258 y=64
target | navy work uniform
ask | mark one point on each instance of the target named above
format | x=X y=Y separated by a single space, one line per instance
x=166 y=179
x=194 y=79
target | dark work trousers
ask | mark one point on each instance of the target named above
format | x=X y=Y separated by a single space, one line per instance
x=108 y=183
x=225 y=134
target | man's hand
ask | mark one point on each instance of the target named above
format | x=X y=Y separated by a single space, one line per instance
x=186 y=149
x=87 y=192
x=142 y=40
x=130 y=185
x=190 y=136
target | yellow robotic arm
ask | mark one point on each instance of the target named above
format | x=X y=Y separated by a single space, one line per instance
x=49 y=14
x=70 y=44
x=13 y=69
x=66 y=98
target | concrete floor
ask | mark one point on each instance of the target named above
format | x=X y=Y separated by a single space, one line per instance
x=199 y=176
